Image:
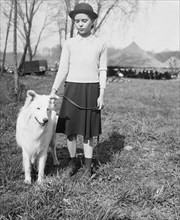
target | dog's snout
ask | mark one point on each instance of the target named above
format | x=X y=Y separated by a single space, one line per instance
x=45 y=120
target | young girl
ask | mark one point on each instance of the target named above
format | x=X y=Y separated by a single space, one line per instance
x=83 y=66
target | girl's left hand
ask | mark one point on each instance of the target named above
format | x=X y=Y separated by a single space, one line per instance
x=100 y=102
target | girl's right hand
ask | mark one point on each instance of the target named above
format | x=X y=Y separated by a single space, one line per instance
x=53 y=94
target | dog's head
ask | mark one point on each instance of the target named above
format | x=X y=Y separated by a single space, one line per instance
x=40 y=106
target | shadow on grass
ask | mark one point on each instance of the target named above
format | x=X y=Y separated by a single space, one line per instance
x=107 y=148
x=62 y=155
x=103 y=152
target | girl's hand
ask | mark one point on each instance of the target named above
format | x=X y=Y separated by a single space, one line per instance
x=100 y=102
x=53 y=94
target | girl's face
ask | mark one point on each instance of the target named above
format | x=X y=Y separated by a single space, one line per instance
x=83 y=24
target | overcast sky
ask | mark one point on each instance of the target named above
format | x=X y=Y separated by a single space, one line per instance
x=155 y=28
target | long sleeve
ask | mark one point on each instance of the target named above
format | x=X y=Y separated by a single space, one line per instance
x=102 y=79
x=103 y=67
x=63 y=67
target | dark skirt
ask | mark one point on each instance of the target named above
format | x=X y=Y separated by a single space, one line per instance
x=74 y=120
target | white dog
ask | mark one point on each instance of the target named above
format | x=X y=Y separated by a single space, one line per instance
x=35 y=132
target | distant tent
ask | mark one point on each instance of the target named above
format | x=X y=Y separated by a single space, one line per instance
x=172 y=62
x=134 y=56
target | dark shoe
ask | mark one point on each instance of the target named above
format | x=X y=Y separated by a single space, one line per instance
x=87 y=169
x=69 y=171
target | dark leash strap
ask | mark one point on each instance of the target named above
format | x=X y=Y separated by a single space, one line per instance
x=78 y=106
x=82 y=108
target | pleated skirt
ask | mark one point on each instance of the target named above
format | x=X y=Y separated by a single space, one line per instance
x=74 y=120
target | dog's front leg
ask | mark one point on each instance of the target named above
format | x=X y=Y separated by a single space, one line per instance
x=53 y=151
x=27 y=167
x=41 y=165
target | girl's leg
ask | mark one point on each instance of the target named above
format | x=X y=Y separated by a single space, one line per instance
x=88 y=153
x=72 y=146
x=88 y=147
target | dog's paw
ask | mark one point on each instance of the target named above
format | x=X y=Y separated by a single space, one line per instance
x=39 y=182
x=27 y=181
x=40 y=178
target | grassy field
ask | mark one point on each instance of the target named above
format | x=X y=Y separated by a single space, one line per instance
x=139 y=175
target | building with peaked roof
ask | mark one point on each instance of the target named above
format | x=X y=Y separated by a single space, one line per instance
x=172 y=62
x=134 y=57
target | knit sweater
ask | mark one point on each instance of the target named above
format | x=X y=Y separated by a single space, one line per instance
x=83 y=60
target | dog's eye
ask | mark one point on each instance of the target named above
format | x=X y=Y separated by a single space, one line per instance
x=47 y=109
x=38 y=108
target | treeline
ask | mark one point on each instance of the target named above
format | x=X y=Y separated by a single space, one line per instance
x=51 y=57
x=54 y=54
x=163 y=56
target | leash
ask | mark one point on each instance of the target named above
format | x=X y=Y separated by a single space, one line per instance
x=78 y=106
x=90 y=108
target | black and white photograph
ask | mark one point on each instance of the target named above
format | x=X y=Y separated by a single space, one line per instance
x=90 y=109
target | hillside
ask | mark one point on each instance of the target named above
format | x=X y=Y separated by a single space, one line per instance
x=164 y=56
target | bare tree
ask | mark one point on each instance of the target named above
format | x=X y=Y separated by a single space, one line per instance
x=60 y=21
x=27 y=11
x=121 y=9
x=63 y=23
x=60 y=14
x=47 y=21
x=174 y=65
x=104 y=9
x=16 y=78
x=7 y=14
x=72 y=21
x=26 y=14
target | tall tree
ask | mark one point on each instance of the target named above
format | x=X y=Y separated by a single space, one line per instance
x=104 y=8
x=27 y=11
x=72 y=21
x=8 y=14
x=121 y=9
x=16 y=78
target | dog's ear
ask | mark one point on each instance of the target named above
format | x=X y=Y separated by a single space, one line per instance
x=31 y=94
